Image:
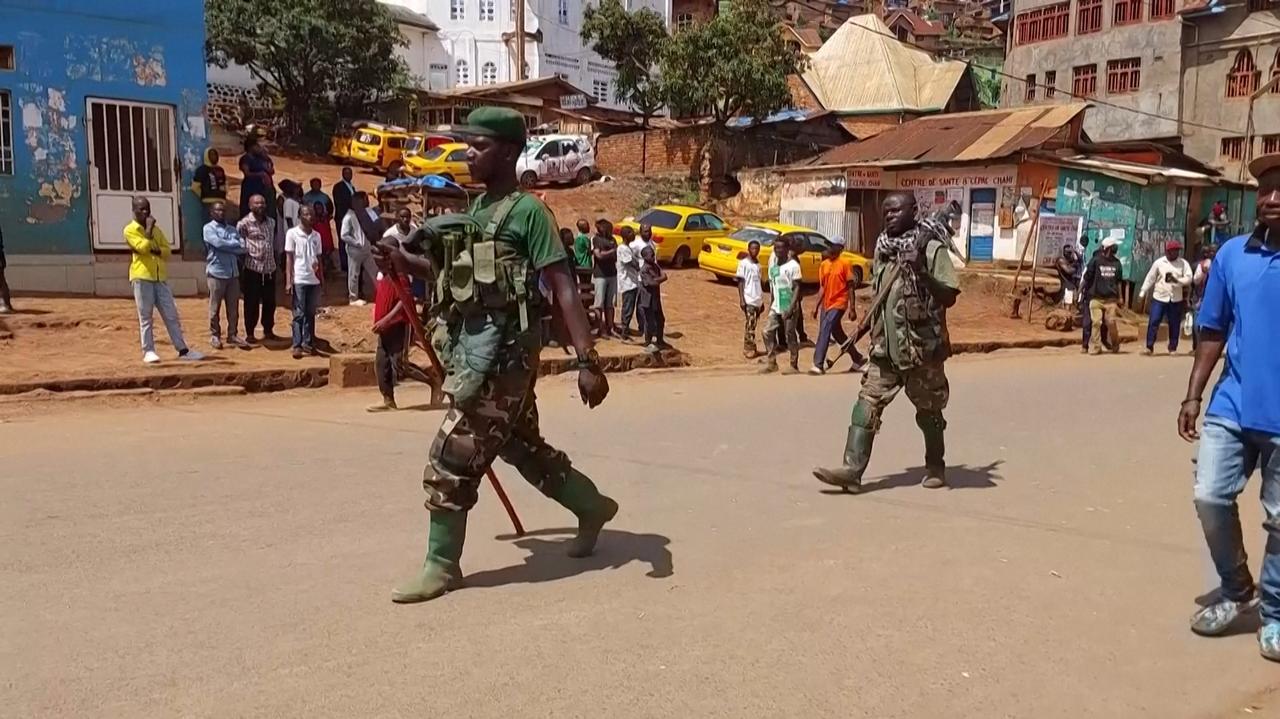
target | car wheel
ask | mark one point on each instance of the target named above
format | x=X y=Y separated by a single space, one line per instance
x=857 y=277
x=681 y=260
x=583 y=176
x=528 y=179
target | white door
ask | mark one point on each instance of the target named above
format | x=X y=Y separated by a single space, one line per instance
x=132 y=152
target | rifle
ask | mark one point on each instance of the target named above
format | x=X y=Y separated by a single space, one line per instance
x=939 y=224
x=436 y=373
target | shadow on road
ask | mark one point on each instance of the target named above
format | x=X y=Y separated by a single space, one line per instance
x=959 y=476
x=548 y=562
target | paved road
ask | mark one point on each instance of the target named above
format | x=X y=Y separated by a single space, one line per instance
x=233 y=558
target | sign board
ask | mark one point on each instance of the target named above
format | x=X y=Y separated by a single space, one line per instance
x=959 y=177
x=1054 y=233
x=573 y=102
x=865 y=178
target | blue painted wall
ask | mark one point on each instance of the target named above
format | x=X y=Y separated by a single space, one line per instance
x=67 y=50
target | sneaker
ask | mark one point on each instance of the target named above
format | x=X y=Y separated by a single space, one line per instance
x=215 y=343
x=387 y=404
x=652 y=348
x=297 y=353
x=1148 y=351
x=269 y=335
x=150 y=358
x=857 y=366
x=309 y=350
x=1269 y=641
x=249 y=339
x=934 y=482
x=5 y=309
x=190 y=356
x=357 y=303
x=1173 y=352
x=817 y=371
x=1216 y=618
x=1095 y=350
x=237 y=343
x=769 y=368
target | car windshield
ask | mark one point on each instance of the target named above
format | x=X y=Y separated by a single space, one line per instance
x=533 y=146
x=412 y=145
x=660 y=219
x=434 y=153
x=763 y=235
x=368 y=138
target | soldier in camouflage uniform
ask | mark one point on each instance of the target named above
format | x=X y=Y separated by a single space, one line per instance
x=909 y=342
x=488 y=334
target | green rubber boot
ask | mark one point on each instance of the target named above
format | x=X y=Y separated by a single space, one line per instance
x=935 y=464
x=857 y=455
x=441 y=571
x=579 y=495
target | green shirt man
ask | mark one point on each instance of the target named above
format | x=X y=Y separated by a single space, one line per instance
x=488 y=332
x=582 y=256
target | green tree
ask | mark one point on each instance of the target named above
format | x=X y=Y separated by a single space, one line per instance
x=311 y=53
x=633 y=42
x=986 y=80
x=736 y=64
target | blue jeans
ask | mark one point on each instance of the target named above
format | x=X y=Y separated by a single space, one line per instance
x=828 y=326
x=1170 y=312
x=306 y=300
x=1228 y=455
x=151 y=296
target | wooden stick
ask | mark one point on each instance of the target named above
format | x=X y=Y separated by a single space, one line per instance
x=1035 y=223
x=436 y=371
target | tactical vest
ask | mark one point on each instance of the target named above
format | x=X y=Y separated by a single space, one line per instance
x=919 y=320
x=479 y=272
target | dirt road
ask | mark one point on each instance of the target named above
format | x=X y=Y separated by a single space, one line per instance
x=234 y=558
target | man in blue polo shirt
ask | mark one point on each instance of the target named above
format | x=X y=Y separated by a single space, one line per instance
x=1240 y=311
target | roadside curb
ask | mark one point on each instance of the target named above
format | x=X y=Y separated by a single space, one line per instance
x=344 y=370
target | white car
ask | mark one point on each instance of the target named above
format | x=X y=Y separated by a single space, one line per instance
x=556 y=158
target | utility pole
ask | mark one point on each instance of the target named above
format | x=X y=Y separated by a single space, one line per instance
x=520 y=39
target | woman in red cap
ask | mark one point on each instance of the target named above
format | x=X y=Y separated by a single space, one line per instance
x=1168 y=284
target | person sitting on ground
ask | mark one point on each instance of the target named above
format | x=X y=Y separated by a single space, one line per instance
x=835 y=278
x=582 y=255
x=750 y=297
x=604 y=275
x=784 y=285
x=302 y=279
x=651 y=278
x=1102 y=281
x=224 y=250
x=1167 y=284
x=149 y=275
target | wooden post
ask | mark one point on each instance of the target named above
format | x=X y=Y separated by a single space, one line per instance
x=1032 y=236
x=519 y=6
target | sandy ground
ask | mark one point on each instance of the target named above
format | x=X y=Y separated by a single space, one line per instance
x=234 y=558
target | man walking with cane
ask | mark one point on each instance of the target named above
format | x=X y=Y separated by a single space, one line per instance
x=488 y=267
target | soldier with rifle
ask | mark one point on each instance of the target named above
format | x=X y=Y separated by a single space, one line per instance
x=488 y=265
x=915 y=282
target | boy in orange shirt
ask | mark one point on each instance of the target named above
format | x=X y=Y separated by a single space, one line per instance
x=835 y=277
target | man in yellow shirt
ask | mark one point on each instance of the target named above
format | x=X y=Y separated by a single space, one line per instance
x=148 y=275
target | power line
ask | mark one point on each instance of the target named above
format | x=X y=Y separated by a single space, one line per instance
x=1055 y=90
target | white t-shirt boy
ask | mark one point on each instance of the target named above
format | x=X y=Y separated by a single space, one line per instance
x=306 y=250
x=784 y=279
x=749 y=274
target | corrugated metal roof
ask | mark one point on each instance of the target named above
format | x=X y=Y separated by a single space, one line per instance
x=958 y=137
x=863 y=68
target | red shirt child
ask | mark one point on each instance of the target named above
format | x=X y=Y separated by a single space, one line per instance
x=388 y=310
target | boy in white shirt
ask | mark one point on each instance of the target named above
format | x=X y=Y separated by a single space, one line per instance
x=750 y=297
x=1167 y=284
x=629 y=283
x=784 y=285
x=302 y=250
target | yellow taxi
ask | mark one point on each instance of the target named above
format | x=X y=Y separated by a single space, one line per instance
x=448 y=160
x=377 y=145
x=720 y=255
x=678 y=230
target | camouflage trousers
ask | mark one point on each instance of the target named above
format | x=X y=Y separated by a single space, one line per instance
x=926 y=386
x=501 y=420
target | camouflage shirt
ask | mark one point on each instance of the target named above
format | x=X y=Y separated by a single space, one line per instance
x=910 y=329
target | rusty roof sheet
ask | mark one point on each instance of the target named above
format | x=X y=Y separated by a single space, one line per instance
x=958 y=137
